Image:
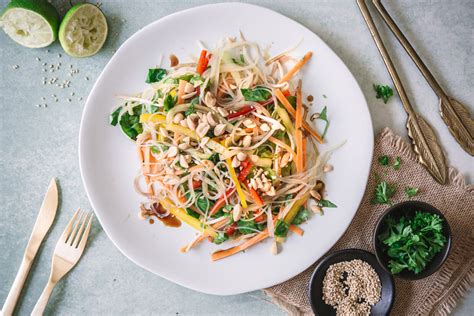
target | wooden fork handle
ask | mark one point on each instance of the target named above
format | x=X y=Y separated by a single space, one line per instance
x=44 y=298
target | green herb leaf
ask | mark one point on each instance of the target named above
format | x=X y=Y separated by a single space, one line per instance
x=155 y=75
x=169 y=102
x=246 y=227
x=190 y=110
x=192 y=213
x=397 y=163
x=240 y=62
x=411 y=192
x=114 y=116
x=159 y=148
x=323 y=116
x=383 y=92
x=302 y=216
x=292 y=100
x=214 y=158
x=383 y=193
x=203 y=204
x=326 y=203
x=185 y=77
x=196 y=79
x=257 y=94
x=220 y=238
x=411 y=243
x=383 y=160
x=281 y=228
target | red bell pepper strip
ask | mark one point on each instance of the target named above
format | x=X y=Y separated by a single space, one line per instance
x=231 y=229
x=221 y=201
x=245 y=110
x=196 y=184
x=247 y=166
x=203 y=61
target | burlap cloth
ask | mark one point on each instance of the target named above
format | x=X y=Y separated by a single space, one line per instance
x=436 y=294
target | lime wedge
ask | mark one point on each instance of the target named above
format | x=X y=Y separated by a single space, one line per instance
x=31 y=23
x=83 y=30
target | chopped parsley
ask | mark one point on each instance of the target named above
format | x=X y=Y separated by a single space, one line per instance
x=383 y=193
x=383 y=160
x=397 y=163
x=281 y=228
x=383 y=92
x=323 y=116
x=411 y=192
x=302 y=216
x=169 y=102
x=326 y=203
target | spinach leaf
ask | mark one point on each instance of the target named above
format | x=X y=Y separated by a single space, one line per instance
x=159 y=148
x=114 y=116
x=257 y=94
x=302 y=216
x=130 y=124
x=326 y=203
x=203 y=204
x=246 y=227
x=155 y=75
x=169 y=102
x=281 y=228
x=220 y=238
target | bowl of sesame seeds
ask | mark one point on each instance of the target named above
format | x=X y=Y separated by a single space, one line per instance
x=351 y=282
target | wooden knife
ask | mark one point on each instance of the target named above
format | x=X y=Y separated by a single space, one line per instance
x=43 y=223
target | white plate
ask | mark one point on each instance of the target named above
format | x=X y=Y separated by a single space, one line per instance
x=109 y=164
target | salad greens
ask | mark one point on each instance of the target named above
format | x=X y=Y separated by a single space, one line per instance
x=155 y=75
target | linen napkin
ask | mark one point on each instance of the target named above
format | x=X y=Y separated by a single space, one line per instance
x=437 y=294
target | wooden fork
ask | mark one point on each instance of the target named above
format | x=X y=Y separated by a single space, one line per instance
x=67 y=253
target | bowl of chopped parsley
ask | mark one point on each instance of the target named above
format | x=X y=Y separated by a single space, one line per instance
x=412 y=240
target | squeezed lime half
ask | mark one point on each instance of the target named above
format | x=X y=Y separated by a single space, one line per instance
x=31 y=23
x=83 y=30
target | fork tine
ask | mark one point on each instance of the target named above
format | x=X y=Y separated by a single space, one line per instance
x=76 y=240
x=67 y=230
x=83 y=241
x=74 y=230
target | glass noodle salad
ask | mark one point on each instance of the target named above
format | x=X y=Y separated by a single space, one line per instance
x=226 y=146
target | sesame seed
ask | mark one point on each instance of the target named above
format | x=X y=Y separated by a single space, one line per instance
x=45 y=70
x=38 y=105
x=38 y=59
x=55 y=100
x=47 y=50
x=72 y=94
x=87 y=78
x=44 y=64
x=80 y=99
x=59 y=55
x=45 y=105
x=15 y=66
x=43 y=98
x=69 y=100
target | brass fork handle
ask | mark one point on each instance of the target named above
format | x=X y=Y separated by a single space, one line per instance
x=409 y=49
x=40 y=306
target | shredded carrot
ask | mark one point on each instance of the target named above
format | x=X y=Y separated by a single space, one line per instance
x=202 y=62
x=296 y=67
x=200 y=238
x=298 y=131
x=182 y=85
x=221 y=254
x=292 y=112
x=296 y=230
x=304 y=151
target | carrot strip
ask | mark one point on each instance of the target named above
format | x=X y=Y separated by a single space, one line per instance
x=221 y=254
x=298 y=131
x=292 y=112
x=182 y=85
x=203 y=61
x=296 y=67
x=296 y=230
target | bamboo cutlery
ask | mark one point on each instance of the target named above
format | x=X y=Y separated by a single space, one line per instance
x=454 y=114
x=67 y=253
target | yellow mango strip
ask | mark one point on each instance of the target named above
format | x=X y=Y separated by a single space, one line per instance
x=285 y=118
x=233 y=176
x=188 y=219
x=295 y=208
x=155 y=118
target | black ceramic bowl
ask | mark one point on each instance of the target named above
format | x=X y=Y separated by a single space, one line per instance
x=408 y=209
x=385 y=304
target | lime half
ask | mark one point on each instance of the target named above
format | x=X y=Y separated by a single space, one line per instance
x=31 y=23
x=83 y=30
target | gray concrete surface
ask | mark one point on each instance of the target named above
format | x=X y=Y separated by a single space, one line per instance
x=37 y=143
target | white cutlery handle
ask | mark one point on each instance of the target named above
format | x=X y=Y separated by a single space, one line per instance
x=15 y=291
x=43 y=300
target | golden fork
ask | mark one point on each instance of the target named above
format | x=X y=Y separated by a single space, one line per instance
x=67 y=253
